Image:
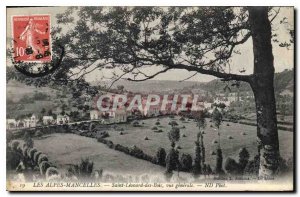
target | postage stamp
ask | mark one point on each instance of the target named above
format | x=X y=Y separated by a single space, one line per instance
x=31 y=38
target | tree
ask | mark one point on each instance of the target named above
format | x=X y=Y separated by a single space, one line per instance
x=174 y=135
x=217 y=120
x=161 y=157
x=201 y=40
x=28 y=140
x=43 y=111
x=243 y=158
x=198 y=157
x=219 y=162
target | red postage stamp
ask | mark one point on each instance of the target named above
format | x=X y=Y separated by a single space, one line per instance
x=31 y=38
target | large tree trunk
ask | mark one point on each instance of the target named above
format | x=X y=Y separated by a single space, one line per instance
x=263 y=88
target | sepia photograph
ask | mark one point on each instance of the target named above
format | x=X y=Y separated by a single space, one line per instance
x=150 y=98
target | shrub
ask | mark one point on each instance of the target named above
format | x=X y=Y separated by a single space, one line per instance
x=28 y=140
x=12 y=160
x=158 y=131
x=228 y=124
x=243 y=133
x=110 y=144
x=135 y=123
x=14 y=145
x=174 y=135
x=136 y=152
x=157 y=123
x=219 y=161
x=42 y=157
x=122 y=148
x=183 y=135
x=231 y=166
x=161 y=157
x=146 y=138
x=36 y=156
x=44 y=165
x=86 y=167
x=38 y=133
x=154 y=128
x=230 y=137
x=182 y=118
x=186 y=162
x=121 y=133
x=252 y=167
x=172 y=160
x=213 y=153
x=31 y=153
x=243 y=158
x=103 y=134
x=215 y=141
x=51 y=171
x=173 y=123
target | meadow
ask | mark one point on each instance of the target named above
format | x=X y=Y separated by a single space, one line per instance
x=66 y=149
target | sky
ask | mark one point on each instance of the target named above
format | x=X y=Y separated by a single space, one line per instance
x=283 y=58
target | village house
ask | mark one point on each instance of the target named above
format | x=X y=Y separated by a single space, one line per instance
x=11 y=123
x=48 y=120
x=27 y=122
x=62 y=119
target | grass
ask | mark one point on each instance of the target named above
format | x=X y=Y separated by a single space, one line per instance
x=64 y=149
x=230 y=147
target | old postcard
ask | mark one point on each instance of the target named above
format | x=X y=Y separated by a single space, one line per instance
x=150 y=99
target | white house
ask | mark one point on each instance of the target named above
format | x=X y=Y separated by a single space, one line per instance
x=62 y=119
x=152 y=111
x=47 y=120
x=11 y=123
x=95 y=115
x=120 y=115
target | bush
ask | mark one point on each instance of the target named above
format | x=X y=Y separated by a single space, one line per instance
x=183 y=135
x=36 y=156
x=135 y=123
x=136 y=152
x=186 y=162
x=12 y=160
x=42 y=157
x=219 y=162
x=182 y=119
x=172 y=160
x=157 y=123
x=103 y=134
x=252 y=167
x=38 y=133
x=161 y=157
x=122 y=148
x=146 y=138
x=158 y=131
x=51 y=171
x=230 y=137
x=154 y=128
x=231 y=166
x=243 y=158
x=31 y=153
x=44 y=165
x=110 y=144
x=14 y=145
x=173 y=123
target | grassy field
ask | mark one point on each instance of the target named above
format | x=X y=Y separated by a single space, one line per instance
x=63 y=149
x=136 y=136
x=66 y=149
